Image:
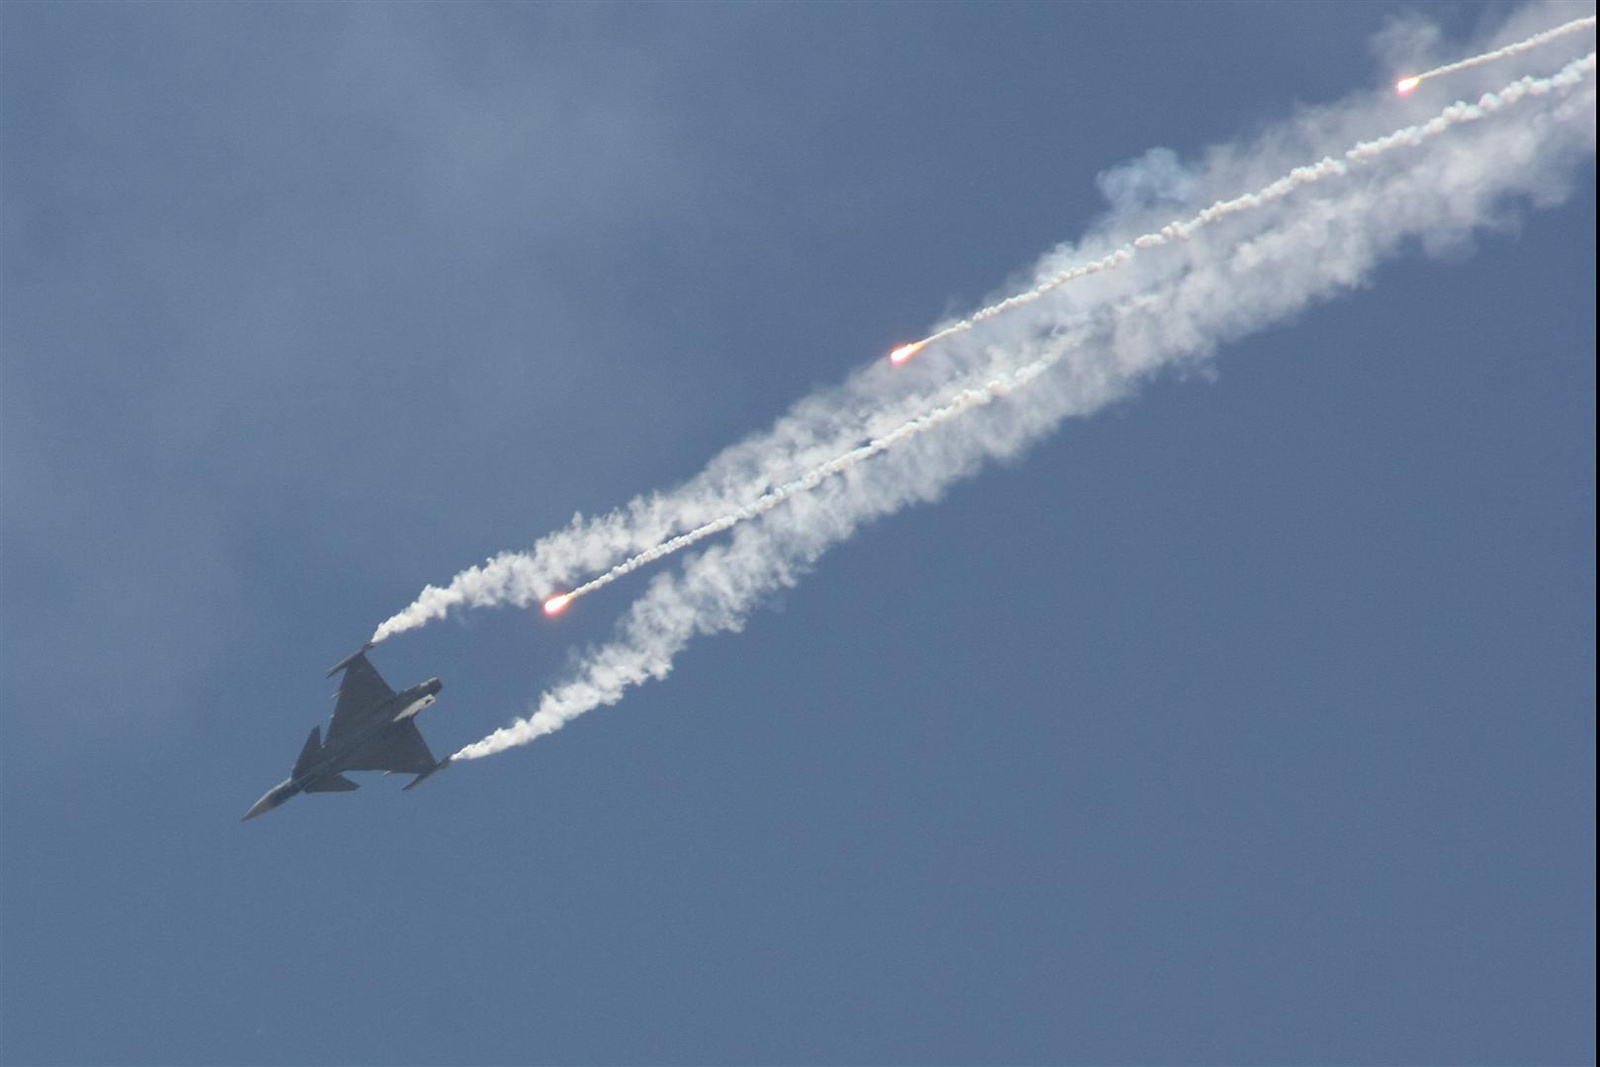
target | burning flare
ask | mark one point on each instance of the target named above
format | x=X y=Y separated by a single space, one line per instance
x=557 y=604
x=905 y=352
x=1406 y=84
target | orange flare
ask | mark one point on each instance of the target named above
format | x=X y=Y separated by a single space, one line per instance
x=1405 y=85
x=557 y=604
x=905 y=352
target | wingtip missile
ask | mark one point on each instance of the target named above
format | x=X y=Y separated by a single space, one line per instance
x=435 y=769
x=351 y=658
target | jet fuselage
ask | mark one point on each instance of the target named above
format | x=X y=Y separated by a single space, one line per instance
x=331 y=759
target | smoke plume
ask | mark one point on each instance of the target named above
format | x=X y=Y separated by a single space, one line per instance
x=1144 y=297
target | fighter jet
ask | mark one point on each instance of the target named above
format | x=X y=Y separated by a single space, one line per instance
x=371 y=730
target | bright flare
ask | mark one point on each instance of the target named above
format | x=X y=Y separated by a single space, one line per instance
x=1587 y=22
x=905 y=352
x=557 y=604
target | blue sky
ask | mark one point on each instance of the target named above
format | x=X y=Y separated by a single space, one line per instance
x=1250 y=720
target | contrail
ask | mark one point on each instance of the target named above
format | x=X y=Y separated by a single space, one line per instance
x=1179 y=308
x=1407 y=84
x=655 y=527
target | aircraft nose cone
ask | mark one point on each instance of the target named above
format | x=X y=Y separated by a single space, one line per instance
x=267 y=802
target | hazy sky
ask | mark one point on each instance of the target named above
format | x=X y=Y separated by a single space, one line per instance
x=1250 y=720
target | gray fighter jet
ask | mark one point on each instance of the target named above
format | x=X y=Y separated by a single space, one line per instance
x=372 y=730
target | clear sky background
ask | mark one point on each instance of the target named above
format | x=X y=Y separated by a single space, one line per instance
x=1251 y=720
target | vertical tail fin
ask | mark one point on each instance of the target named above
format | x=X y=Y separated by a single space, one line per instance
x=310 y=752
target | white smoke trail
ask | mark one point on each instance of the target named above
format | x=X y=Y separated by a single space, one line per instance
x=963 y=401
x=1527 y=44
x=749 y=480
x=1175 y=311
x=968 y=398
x=1220 y=210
